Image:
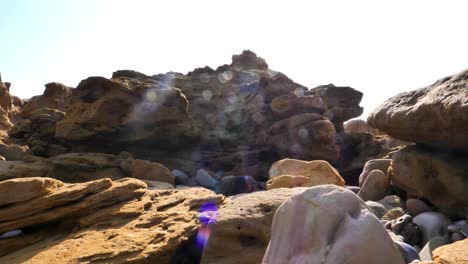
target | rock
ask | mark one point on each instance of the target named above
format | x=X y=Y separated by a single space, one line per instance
x=333 y=227
x=56 y=96
x=430 y=246
x=452 y=254
x=409 y=253
x=120 y=224
x=432 y=224
x=233 y=185
x=248 y=60
x=404 y=227
x=375 y=164
x=296 y=103
x=306 y=136
x=26 y=189
x=437 y=176
x=360 y=126
x=342 y=103
x=416 y=206
x=457 y=237
x=152 y=171
x=318 y=171
x=375 y=187
x=205 y=179
x=157 y=185
x=288 y=181
x=14 y=152
x=180 y=177
x=392 y=201
x=354 y=189
x=241 y=232
x=435 y=115
x=11 y=234
x=378 y=209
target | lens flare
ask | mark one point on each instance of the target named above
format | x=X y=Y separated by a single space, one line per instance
x=207 y=216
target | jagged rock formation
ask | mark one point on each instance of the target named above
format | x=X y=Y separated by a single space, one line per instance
x=239 y=118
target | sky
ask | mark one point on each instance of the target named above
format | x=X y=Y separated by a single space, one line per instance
x=380 y=48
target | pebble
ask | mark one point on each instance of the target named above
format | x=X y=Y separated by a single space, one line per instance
x=378 y=209
x=431 y=224
x=409 y=253
x=181 y=177
x=205 y=180
x=10 y=234
x=375 y=187
x=416 y=207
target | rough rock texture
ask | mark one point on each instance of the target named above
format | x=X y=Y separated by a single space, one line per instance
x=117 y=222
x=360 y=126
x=288 y=181
x=14 y=152
x=375 y=164
x=436 y=115
x=56 y=96
x=242 y=230
x=333 y=226
x=26 y=189
x=455 y=253
x=319 y=171
x=375 y=187
x=440 y=177
x=82 y=167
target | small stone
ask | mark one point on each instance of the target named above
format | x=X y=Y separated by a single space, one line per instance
x=435 y=242
x=375 y=187
x=233 y=185
x=375 y=164
x=205 y=180
x=409 y=253
x=10 y=234
x=457 y=237
x=378 y=209
x=181 y=177
x=431 y=224
x=354 y=189
x=416 y=207
x=404 y=227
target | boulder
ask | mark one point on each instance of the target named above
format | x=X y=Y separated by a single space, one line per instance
x=375 y=164
x=318 y=171
x=56 y=96
x=296 y=103
x=26 y=189
x=455 y=253
x=241 y=232
x=14 y=152
x=307 y=136
x=288 y=181
x=233 y=185
x=440 y=177
x=416 y=206
x=152 y=171
x=432 y=224
x=334 y=226
x=360 y=126
x=436 y=115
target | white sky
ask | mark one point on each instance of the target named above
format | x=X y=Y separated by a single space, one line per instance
x=378 y=47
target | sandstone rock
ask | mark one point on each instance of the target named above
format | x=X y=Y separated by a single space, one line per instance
x=56 y=96
x=437 y=176
x=14 y=152
x=333 y=227
x=288 y=181
x=375 y=187
x=308 y=136
x=233 y=185
x=152 y=171
x=25 y=189
x=452 y=254
x=157 y=185
x=318 y=171
x=360 y=126
x=242 y=230
x=149 y=229
x=432 y=224
x=297 y=103
x=435 y=115
x=375 y=164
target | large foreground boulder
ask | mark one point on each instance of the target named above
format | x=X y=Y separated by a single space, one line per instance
x=436 y=115
x=331 y=225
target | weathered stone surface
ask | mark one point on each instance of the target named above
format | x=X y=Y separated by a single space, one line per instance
x=360 y=126
x=111 y=226
x=296 y=103
x=26 y=189
x=437 y=176
x=56 y=96
x=375 y=164
x=152 y=171
x=436 y=115
x=319 y=171
x=455 y=253
x=233 y=185
x=288 y=181
x=308 y=136
x=333 y=227
x=14 y=152
x=242 y=231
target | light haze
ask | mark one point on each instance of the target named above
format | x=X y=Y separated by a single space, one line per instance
x=378 y=47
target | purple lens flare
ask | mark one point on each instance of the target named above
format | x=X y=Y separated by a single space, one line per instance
x=207 y=216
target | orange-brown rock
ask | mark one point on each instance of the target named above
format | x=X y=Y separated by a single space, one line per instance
x=26 y=189
x=56 y=96
x=456 y=253
x=288 y=181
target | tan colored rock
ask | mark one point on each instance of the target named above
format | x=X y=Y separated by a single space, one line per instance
x=14 y=152
x=331 y=225
x=242 y=230
x=55 y=96
x=455 y=253
x=436 y=115
x=288 y=181
x=152 y=171
x=26 y=189
x=308 y=136
x=376 y=186
x=375 y=164
x=360 y=126
x=124 y=223
x=437 y=176
x=298 y=102
x=319 y=171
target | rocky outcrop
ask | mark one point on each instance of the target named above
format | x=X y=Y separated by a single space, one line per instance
x=452 y=254
x=333 y=226
x=437 y=176
x=112 y=221
x=241 y=232
x=56 y=96
x=83 y=167
x=435 y=115
x=360 y=126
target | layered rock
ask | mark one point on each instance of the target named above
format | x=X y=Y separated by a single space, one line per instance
x=112 y=221
x=56 y=96
x=333 y=226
